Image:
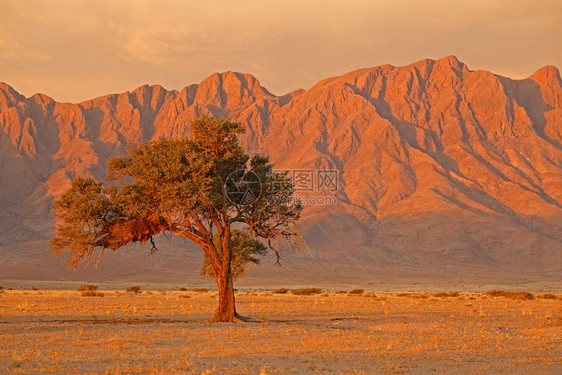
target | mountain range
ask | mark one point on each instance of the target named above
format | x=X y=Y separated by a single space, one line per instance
x=441 y=170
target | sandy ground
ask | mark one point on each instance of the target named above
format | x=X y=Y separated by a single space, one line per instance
x=341 y=333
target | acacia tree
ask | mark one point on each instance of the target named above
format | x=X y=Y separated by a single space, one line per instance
x=196 y=187
x=245 y=251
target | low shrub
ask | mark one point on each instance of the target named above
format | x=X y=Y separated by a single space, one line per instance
x=306 y=291
x=87 y=287
x=356 y=291
x=91 y=293
x=281 y=290
x=521 y=295
x=548 y=296
x=446 y=294
x=182 y=289
x=135 y=289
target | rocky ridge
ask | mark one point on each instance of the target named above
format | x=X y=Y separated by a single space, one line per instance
x=438 y=164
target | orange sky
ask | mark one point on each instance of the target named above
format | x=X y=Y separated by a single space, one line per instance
x=77 y=50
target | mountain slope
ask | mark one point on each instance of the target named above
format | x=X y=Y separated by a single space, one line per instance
x=438 y=166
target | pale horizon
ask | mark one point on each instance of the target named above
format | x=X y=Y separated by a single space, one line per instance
x=77 y=51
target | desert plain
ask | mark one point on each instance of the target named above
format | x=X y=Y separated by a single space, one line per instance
x=324 y=332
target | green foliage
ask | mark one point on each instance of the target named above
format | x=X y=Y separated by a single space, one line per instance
x=81 y=212
x=183 y=186
x=176 y=186
x=245 y=251
x=135 y=289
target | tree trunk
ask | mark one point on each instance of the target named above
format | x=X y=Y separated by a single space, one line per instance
x=226 y=312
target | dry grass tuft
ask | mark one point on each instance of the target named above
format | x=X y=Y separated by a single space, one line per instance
x=306 y=291
x=547 y=296
x=135 y=289
x=200 y=290
x=446 y=294
x=87 y=287
x=356 y=291
x=412 y=295
x=521 y=295
x=91 y=293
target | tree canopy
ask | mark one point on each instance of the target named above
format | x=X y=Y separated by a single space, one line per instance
x=195 y=187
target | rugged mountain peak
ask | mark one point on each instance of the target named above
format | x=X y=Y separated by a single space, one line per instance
x=427 y=66
x=548 y=79
x=9 y=96
x=42 y=99
x=149 y=96
x=229 y=89
x=142 y=90
x=546 y=73
x=451 y=61
x=432 y=141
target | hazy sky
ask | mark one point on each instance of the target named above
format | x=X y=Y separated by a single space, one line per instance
x=76 y=50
